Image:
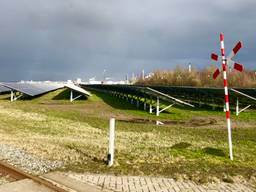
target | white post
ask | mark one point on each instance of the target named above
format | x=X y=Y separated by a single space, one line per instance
x=237 y=107
x=11 y=95
x=230 y=139
x=111 y=142
x=150 y=105
x=157 y=106
x=71 y=96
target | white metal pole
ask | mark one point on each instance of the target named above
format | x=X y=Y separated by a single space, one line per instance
x=237 y=107
x=11 y=95
x=111 y=142
x=150 y=105
x=157 y=106
x=71 y=96
x=224 y=108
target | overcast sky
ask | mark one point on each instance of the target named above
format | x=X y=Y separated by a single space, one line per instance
x=66 y=39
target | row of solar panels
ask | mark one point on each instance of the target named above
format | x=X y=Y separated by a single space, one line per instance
x=38 y=88
x=137 y=91
x=207 y=96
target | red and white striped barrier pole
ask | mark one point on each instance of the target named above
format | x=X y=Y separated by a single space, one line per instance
x=224 y=68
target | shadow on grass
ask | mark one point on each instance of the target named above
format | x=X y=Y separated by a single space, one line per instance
x=122 y=104
x=115 y=102
x=65 y=95
x=182 y=145
x=214 y=151
x=84 y=153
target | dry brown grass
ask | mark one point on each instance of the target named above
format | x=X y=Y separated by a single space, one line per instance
x=199 y=78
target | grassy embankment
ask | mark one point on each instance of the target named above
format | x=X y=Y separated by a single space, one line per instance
x=193 y=145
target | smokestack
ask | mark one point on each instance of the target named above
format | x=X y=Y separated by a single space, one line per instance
x=189 y=68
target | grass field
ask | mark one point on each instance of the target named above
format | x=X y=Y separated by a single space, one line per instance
x=192 y=146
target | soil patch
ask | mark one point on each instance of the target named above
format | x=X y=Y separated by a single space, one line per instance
x=189 y=123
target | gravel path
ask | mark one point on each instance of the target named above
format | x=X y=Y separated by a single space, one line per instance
x=26 y=161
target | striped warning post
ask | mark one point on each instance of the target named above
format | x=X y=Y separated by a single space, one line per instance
x=224 y=68
x=225 y=63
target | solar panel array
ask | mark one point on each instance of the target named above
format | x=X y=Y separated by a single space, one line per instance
x=193 y=95
x=137 y=91
x=206 y=95
x=33 y=88
x=77 y=89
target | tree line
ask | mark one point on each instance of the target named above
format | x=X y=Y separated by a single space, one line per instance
x=181 y=76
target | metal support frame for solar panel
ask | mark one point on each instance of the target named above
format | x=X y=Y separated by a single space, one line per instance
x=175 y=100
x=237 y=102
x=14 y=97
x=77 y=89
x=72 y=98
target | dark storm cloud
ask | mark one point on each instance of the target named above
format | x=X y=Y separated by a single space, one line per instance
x=63 y=39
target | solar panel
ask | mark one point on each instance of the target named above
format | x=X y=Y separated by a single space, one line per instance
x=33 y=88
x=77 y=88
x=3 y=89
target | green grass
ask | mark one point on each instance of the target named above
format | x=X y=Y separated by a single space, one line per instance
x=194 y=144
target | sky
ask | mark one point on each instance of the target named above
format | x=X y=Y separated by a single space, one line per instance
x=69 y=39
